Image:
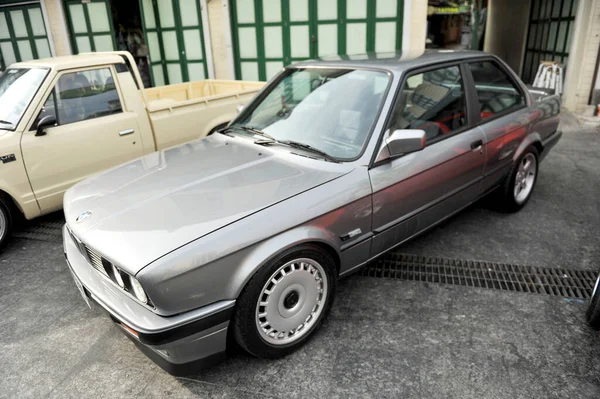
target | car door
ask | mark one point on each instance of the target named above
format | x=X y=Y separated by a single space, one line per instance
x=504 y=117
x=93 y=132
x=414 y=191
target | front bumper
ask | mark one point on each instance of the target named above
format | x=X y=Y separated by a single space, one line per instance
x=180 y=344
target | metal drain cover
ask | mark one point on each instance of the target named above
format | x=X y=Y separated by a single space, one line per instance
x=498 y=276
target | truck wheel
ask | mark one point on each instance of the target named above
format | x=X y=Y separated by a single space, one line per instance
x=518 y=185
x=593 y=311
x=285 y=302
x=6 y=222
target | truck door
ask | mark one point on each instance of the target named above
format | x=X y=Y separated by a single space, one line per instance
x=93 y=132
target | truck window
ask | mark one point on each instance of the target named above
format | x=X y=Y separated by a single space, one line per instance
x=49 y=108
x=496 y=92
x=433 y=101
x=86 y=95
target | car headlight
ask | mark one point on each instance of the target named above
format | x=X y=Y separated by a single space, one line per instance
x=139 y=292
x=118 y=277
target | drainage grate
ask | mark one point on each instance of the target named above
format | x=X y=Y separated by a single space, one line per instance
x=46 y=228
x=498 y=276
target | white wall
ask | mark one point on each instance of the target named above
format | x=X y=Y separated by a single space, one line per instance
x=506 y=31
x=582 y=57
x=56 y=19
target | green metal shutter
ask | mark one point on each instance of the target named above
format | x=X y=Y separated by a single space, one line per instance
x=91 y=25
x=22 y=34
x=549 y=37
x=269 y=34
x=175 y=39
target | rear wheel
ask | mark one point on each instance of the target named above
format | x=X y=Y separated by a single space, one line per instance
x=6 y=222
x=285 y=302
x=518 y=186
x=593 y=311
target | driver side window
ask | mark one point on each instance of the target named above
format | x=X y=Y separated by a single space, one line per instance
x=433 y=101
x=83 y=95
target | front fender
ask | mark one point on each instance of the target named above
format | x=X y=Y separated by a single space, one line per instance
x=263 y=252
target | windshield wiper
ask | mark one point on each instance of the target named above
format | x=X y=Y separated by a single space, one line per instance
x=225 y=131
x=6 y=122
x=310 y=148
x=254 y=130
x=296 y=144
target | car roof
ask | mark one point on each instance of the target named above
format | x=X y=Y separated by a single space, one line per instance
x=72 y=61
x=395 y=61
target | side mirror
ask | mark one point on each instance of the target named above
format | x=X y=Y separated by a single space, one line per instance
x=405 y=141
x=44 y=123
x=240 y=108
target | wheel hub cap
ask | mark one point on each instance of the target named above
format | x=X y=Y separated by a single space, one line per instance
x=291 y=301
x=525 y=178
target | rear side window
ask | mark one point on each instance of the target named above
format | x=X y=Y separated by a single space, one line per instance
x=496 y=92
x=86 y=95
x=433 y=101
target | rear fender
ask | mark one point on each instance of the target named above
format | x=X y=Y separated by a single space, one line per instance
x=532 y=138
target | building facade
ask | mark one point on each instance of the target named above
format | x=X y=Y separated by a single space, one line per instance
x=183 y=40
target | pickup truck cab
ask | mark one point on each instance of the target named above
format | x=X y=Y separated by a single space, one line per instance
x=65 y=118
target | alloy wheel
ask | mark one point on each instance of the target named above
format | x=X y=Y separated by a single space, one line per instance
x=291 y=301
x=525 y=178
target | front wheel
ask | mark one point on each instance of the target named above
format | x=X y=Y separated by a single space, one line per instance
x=593 y=311
x=518 y=185
x=285 y=302
x=6 y=222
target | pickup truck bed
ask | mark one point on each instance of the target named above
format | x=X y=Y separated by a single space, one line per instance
x=188 y=103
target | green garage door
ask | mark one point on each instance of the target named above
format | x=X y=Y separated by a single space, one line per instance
x=269 y=34
x=91 y=25
x=22 y=34
x=175 y=40
x=549 y=39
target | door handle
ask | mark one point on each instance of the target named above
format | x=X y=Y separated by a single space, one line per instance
x=477 y=145
x=126 y=132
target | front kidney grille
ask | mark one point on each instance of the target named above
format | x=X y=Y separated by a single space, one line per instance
x=104 y=266
x=95 y=259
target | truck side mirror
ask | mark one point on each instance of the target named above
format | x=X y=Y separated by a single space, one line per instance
x=405 y=141
x=44 y=123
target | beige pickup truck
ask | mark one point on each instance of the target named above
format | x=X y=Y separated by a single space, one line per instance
x=63 y=119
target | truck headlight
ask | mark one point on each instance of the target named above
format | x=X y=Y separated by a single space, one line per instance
x=139 y=292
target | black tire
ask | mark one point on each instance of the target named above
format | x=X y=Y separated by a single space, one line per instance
x=505 y=198
x=593 y=311
x=6 y=221
x=245 y=326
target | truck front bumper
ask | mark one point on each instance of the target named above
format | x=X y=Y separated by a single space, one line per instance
x=180 y=344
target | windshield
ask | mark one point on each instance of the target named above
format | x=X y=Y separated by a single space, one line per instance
x=331 y=110
x=17 y=88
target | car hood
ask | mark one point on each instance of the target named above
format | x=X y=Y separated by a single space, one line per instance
x=139 y=211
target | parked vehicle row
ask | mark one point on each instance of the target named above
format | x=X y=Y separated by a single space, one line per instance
x=63 y=119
